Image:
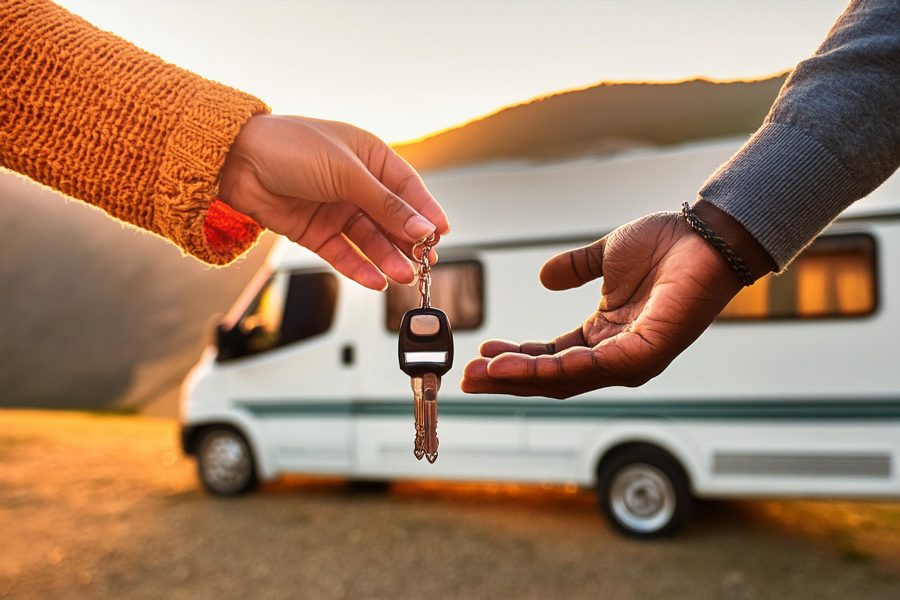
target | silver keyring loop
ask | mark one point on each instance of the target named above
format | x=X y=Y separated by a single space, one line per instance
x=424 y=271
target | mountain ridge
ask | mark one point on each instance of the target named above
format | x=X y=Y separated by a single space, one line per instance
x=602 y=118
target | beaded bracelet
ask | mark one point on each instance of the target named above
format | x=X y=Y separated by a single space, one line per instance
x=721 y=246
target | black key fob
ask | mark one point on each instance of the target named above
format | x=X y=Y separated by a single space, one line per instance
x=426 y=342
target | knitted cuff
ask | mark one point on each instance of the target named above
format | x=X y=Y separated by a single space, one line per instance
x=189 y=170
x=784 y=187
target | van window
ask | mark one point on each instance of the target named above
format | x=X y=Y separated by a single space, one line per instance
x=834 y=277
x=289 y=307
x=457 y=288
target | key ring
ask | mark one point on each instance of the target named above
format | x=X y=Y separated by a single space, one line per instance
x=426 y=243
x=424 y=272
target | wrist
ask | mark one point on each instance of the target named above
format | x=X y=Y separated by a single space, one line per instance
x=747 y=248
x=240 y=168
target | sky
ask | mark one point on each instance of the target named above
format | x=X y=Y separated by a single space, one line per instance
x=405 y=68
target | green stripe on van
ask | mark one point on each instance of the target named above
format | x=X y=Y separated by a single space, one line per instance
x=866 y=410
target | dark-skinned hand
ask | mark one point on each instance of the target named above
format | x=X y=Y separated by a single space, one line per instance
x=662 y=287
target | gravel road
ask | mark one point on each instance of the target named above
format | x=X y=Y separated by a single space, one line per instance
x=95 y=506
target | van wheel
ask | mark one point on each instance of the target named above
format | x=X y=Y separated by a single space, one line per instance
x=225 y=462
x=643 y=492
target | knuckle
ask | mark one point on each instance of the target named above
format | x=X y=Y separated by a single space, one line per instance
x=594 y=258
x=370 y=240
x=392 y=206
x=296 y=234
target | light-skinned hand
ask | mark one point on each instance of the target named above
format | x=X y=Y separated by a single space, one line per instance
x=335 y=189
x=662 y=287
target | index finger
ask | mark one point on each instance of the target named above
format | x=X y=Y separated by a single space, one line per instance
x=398 y=176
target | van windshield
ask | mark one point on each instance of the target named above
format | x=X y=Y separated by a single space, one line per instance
x=287 y=308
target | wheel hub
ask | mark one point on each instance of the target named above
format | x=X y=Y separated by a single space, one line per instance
x=226 y=462
x=642 y=498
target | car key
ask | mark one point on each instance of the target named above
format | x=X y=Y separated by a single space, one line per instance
x=431 y=383
x=425 y=352
x=419 y=416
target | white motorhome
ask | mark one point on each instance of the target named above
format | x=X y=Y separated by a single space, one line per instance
x=795 y=391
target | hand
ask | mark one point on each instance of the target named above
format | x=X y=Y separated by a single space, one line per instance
x=335 y=189
x=662 y=287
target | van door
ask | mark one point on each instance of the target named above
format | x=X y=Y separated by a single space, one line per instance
x=289 y=368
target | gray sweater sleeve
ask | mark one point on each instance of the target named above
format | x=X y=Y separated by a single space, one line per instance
x=832 y=136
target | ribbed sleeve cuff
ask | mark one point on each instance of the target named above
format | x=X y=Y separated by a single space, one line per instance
x=784 y=187
x=189 y=170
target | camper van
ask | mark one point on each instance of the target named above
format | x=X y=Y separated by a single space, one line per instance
x=794 y=390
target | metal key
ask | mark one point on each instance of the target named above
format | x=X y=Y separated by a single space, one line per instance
x=419 y=415
x=425 y=352
x=431 y=383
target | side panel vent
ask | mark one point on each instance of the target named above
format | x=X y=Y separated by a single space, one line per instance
x=853 y=465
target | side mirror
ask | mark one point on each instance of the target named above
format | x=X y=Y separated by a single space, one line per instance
x=228 y=343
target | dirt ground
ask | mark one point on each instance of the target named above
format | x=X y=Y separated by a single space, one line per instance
x=95 y=506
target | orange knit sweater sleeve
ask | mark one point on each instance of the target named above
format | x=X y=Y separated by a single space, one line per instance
x=91 y=115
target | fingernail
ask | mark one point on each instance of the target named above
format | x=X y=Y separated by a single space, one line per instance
x=418 y=227
x=376 y=282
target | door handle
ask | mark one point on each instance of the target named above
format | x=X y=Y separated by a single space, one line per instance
x=348 y=355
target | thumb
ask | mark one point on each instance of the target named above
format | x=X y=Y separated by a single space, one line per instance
x=575 y=267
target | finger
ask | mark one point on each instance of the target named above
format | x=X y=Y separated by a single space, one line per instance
x=492 y=348
x=575 y=267
x=414 y=251
x=475 y=380
x=375 y=245
x=349 y=261
x=575 y=366
x=478 y=378
x=399 y=177
x=392 y=213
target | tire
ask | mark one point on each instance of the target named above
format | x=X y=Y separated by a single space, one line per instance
x=225 y=462
x=644 y=493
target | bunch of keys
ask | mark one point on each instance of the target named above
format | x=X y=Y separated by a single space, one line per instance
x=426 y=354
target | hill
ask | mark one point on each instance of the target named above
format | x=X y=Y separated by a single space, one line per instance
x=94 y=314
x=603 y=118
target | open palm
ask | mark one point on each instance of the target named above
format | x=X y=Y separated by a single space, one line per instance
x=662 y=287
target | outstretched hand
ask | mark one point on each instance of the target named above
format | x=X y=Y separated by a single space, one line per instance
x=335 y=189
x=662 y=287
